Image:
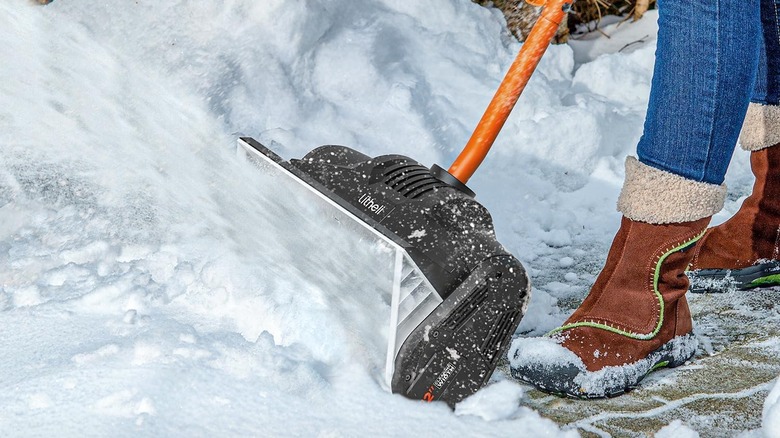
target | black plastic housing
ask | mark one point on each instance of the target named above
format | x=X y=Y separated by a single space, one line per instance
x=450 y=237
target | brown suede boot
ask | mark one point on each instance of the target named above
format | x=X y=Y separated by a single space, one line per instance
x=744 y=252
x=635 y=318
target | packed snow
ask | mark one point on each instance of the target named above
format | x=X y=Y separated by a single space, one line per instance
x=677 y=429
x=771 y=413
x=152 y=283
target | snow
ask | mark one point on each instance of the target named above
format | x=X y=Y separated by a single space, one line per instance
x=771 y=413
x=614 y=35
x=676 y=429
x=500 y=401
x=151 y=283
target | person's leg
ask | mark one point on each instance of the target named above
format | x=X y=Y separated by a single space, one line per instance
x=706 y=62
x=767 y=86
x=744 y=251
x=635 y=317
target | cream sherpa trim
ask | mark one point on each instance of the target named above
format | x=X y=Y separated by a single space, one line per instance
x=658 y=197
x=761 y=128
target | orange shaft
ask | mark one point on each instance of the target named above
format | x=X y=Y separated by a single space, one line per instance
x=510 y=89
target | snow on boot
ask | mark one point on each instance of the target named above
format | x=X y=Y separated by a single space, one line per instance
x=743 y=252
x=635 y=318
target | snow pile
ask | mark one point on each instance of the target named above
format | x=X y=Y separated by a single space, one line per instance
x=771 y=413
x=500 y=401
x=372 y=75
x=676 y=429
x=151 y=281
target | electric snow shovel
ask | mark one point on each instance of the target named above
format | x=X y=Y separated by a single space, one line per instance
x=458 y=295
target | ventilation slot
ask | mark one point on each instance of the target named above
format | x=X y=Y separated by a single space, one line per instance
x=411 y=180
x=498 y=336
x=466 y=308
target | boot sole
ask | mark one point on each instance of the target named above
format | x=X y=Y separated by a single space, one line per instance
x=573 y=382
x=726 y=280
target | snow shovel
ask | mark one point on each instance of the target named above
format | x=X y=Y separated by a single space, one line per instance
x=458 y=295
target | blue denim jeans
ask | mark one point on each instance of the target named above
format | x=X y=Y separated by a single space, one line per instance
x=713 y=58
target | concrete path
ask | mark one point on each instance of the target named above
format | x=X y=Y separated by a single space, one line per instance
x=720 y=393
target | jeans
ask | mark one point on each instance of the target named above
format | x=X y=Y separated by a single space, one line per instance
x=713 y=58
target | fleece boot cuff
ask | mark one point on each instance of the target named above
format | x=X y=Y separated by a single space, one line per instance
x=761 y=128
x=655 y=196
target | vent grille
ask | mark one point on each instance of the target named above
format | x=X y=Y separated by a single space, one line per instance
x=499 y=335
x=411 y=180
x=466 y=308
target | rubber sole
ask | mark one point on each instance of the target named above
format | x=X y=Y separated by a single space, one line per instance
x=765 y=274
x=568 y=380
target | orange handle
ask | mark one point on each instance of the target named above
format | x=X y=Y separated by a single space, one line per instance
x=510 y=89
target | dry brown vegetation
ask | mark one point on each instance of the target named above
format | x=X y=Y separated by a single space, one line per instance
x=521 y=16
x=585 y=11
